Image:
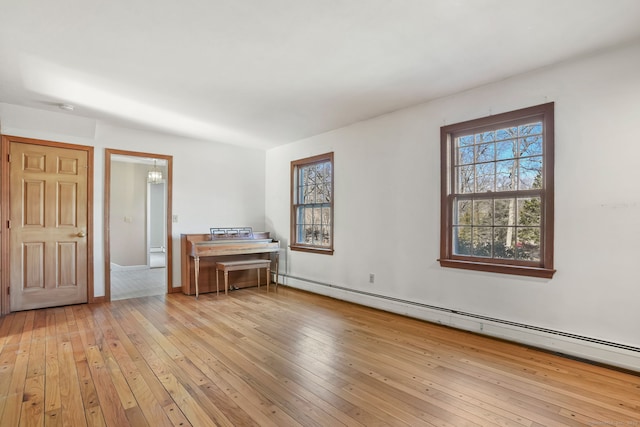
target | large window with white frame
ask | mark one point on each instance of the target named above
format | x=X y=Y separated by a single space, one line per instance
x=497 y=193
x=312 y=204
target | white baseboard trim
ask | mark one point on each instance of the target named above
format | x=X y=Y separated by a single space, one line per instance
x=620 y=355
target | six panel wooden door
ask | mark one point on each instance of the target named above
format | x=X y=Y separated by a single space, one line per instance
x=48 y=226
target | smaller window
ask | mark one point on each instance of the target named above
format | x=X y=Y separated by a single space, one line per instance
x=312 y=204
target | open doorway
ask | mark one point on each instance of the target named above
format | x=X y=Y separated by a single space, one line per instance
x=137 y=224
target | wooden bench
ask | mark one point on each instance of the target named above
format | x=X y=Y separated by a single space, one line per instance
x=248 y=264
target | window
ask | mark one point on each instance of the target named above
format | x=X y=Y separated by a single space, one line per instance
x=312 y=204
x=497 y=193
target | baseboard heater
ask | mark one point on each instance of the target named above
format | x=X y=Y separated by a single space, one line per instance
x=472 y=315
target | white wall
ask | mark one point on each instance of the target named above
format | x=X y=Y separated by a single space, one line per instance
x=387 y=201
x=213 y=184
x=128 y=214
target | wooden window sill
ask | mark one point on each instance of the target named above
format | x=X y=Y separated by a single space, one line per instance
x=518 y=270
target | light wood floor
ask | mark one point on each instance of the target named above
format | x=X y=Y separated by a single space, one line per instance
x=285 y=359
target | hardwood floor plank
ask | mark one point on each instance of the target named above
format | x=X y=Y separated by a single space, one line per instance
x=286 y=358
x=108 y=397
x=179 y=385
x=7 y=366
x=244 y=396
x=53 y=418
x=287 y=376
x=16 y=327
x=151 y=408
x=403 y=385
x=32 y=413
x=232 y=362
x=68 y=383
x=345 y=376
x=95 y=417
x=176 y=416
x=6 y=325
x=88 y=391
x=52 y=390
x=419 y=400
x=37 y=357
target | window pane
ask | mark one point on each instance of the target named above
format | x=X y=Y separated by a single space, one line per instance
x=529 y=211
x=485 y=177
x=528 y=244
x=308 y=175
x=317 y=215
x=531 y=146
x=327 y=172
x=504 y=212
x=482 y=212
x=465 y=155
x=530 y=129
x=301 y=214
x=326 y=235
x=504 y=242
x=309 y=195
x=302 y=176
x=462 y=240
x=505 y=150
x=485 y=137
x=326 y=216
x=506 y=133
x=463 y=213
x=465 y=179
x=465 y=140
x=482 y=241
x=308 y=234
x=321 y=196
x=530 y=173
x=316 y=235
x=485 y=152
x=506 y=175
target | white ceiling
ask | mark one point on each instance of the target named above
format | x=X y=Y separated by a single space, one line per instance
x=267 y=72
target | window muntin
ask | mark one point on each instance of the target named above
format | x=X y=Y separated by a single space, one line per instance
x=312 y=204
x=497 y=202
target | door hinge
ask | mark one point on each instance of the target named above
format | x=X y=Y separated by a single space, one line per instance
x=9 y=158
x=9 y=224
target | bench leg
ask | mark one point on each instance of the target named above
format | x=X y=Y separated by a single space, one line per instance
x=258 y=277
x=196 y=263
x=226 y=282
x=217 y=284
x=268 y=277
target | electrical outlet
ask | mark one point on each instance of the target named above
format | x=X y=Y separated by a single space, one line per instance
x=372 y=277
x=175 y=218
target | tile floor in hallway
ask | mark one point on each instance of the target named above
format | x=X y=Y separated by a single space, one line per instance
x=127 y=284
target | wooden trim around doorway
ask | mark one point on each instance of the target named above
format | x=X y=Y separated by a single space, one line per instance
x=107 y=206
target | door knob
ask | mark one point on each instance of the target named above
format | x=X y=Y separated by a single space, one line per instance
x=82 y=234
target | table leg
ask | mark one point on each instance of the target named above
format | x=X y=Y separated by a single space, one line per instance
x=226 y=282
x=217 y=285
